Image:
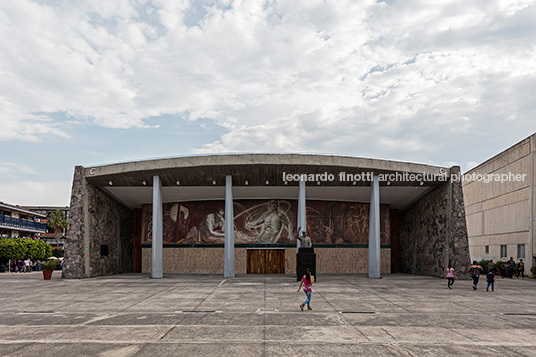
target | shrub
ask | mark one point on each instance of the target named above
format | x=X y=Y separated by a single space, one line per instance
x=533 y=270
x=50 y=265
x=57 y=252
x=500 y=264
x=36 y=249
x=23 y=248
x=484 y=264
x=12 y=249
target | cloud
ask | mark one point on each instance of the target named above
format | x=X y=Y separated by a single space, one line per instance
x=11 y=169
x=36 y=193
x=402 y=80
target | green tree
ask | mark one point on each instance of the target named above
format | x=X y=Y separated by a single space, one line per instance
x=12 y=249
x=36 y=249
x=58 y=222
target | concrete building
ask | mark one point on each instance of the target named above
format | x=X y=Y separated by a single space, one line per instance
x=48 y=235
x=500 y=205
x=16 y=221
x=240 y=214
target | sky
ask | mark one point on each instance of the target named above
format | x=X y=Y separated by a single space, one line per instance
x=96 y=82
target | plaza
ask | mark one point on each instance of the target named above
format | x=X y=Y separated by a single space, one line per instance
x=259 y=315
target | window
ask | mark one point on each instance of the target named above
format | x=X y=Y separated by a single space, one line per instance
x=504 y=252
x=521 y=251
x=487 y=250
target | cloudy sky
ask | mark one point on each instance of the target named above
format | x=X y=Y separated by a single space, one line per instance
x=98 y=81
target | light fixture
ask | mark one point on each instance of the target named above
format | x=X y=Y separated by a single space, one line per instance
x=286 y=182
x=214 y=183
x=144 y=183
x=318 y=183
x=388 y=183
x=422 y=183
x=355 y=183
x=267 y=182
x=178 y=183
x=110 y=183
x=247 y=183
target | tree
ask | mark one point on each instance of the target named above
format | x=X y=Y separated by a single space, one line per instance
x=12 y=249
x=58 y=222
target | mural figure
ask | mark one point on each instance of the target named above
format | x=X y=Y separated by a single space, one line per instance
x=212 y=228
x=181 y=216
x=272 y=223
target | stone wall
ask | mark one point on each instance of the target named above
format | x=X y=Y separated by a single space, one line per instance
x=75 y=254
x=96 y=220
x=433 y=232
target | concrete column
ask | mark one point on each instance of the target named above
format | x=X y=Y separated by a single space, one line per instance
x=229 y=261
x=157 y=270
x=302 y=218
x=374 y=230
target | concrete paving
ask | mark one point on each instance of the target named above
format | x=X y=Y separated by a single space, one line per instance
x=259 y=315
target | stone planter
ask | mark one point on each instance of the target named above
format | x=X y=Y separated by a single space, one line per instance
x=47 y=274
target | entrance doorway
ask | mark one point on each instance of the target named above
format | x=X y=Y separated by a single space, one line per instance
x=266 y=261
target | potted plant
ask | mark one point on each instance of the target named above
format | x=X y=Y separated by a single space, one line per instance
x=48 y=267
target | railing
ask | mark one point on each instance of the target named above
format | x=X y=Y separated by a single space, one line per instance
x=22 y=223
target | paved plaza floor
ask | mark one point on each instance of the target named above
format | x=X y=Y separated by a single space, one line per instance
x=259 y=315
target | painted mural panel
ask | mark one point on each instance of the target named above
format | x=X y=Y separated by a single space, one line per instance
x=265 y=222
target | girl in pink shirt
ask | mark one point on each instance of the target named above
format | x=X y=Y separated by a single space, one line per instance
x=449 y=274
x=307 y=282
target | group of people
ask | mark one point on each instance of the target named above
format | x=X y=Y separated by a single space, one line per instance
x=23 y=266
x=475 y=270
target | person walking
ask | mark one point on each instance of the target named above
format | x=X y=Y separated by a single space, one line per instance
x=307 y=282
x=490 y=279
x=475 y=270
x=521 y=269
x=450 y=275
x=491 y=266
x=510 y=268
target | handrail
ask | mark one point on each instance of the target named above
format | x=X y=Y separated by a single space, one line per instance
x=22 y=223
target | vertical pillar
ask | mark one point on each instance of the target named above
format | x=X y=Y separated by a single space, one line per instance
x=374 y=230
x=302 y=218
x=229 y=261
x=157 y=271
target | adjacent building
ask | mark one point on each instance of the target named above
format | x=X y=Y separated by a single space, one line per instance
x=49 y=235
x=500 y=205
x=16 y=221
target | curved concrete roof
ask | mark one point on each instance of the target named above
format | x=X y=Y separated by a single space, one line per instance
x=254 y=168
x=257 y=176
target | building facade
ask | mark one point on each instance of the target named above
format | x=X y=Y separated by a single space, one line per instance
x=49 y=235
x=16 y=221
x=240 y=214
x=500 y=205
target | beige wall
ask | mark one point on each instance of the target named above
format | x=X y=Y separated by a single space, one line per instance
x=500 y=213
x=210 y=260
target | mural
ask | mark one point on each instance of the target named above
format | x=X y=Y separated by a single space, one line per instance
x=265 y=222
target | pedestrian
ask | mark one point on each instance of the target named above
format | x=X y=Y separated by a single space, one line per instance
x=491 y=266
x=475 y=270
x=307 y=282
x=510 y=270
x=490 y=278
x=449 y=274
x=521 y=268
x=27 y=265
